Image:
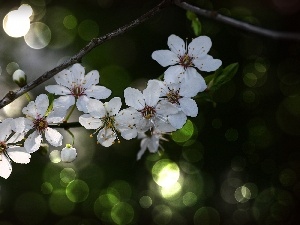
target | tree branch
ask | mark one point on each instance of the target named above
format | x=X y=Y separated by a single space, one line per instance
x=289 y=36
x=13 y=95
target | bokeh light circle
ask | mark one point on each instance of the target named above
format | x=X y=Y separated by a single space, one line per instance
x=70 y=22
x=122 y=213
x=59 y=203
x=77 y=191
x=67 y=175
x=207 y=216
x=12 y=67
x=55 y=156
x=165 y=172
x=38 y=36
x=145 y=202
x=46 y=188
x=189 y=199
x=17 y=22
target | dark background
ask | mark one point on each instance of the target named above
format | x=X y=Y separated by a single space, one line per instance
x=241 y=165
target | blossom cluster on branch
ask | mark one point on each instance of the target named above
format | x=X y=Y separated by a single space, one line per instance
x=161 y=108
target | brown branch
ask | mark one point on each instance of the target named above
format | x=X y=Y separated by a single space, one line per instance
x=289 y=36
x=13 y=95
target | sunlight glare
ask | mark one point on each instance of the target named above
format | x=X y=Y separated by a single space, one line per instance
x=17 y=22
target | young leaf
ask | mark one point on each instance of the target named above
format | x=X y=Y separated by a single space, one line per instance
x=196 y=25
x=222 y=76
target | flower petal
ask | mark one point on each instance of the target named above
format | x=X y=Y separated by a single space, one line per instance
x=38 y=107
x=92 y=78
x=106 y=137
x=18 y=154
x=144 y=144
x=68 y=154
x=199 y=46
x=58 y=90
x=42 y=104
x=21 y=125
x=5 y=166
x=98 y=92
x=5 y=129
x=177 y=120
x=82 y=103
x=33 y=142
x=174 y=74
x=64 y=78
x=177 y=45
x=64 y=102
x=77 y=72
x=189 y=106
x=166 y=108
x=192 y=84
x=113 y=106
x=53 y=137
x=207 y=63
x=89 y=122
x=165 y=57
x=57 y=115
x=134 y=98
x=162 y=124
x=152 y=93
x=96 y=108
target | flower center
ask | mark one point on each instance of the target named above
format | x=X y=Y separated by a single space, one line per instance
x=77 y=91
x=186 y=61
x=40 y=124
x=3 y=147
x=148 y=112
x=109 y=122
x=173 y=96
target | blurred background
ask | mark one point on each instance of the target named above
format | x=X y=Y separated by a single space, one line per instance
x=237 y=162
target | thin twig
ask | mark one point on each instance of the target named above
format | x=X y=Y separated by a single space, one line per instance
x=289 y=36
x=13 y=95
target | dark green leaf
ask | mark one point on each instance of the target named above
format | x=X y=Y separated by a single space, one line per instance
x=196 y=25
x=223 y=76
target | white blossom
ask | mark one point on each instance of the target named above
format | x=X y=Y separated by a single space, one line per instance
x=38 y=119
x=183 y=59
x=74 y=86
x=150 y=141
x=105 y=118
x=8 y=151
x=180 y=95
x=147 y=112
x=68 y=154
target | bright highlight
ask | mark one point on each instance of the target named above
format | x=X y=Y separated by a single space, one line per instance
x=17 y=22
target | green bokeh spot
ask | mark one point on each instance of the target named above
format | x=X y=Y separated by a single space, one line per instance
x=59 y=203
x=77 y=191
x=185 y=133
x=122 y=213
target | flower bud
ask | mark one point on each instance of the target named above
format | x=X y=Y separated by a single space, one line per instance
x=68 y=154
x=19 y=77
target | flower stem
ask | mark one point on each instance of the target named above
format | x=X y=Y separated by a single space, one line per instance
x=70 y=113
x=72 y=135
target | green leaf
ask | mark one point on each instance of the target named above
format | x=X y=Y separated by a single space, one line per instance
x=196 y=24
x=222 y=76
x=51 y=100
x=190 y=15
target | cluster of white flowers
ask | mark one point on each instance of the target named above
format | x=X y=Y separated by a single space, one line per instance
x=162 y=107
